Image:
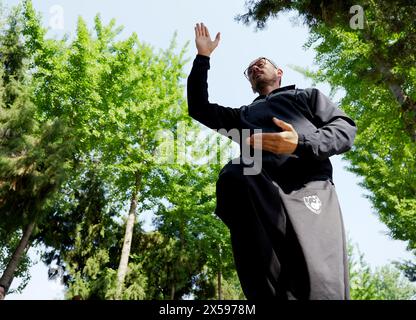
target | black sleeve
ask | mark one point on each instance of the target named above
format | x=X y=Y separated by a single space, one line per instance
x=335 y=130
x=212 y=115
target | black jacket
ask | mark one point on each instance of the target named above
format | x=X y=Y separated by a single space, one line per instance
x=323 y=129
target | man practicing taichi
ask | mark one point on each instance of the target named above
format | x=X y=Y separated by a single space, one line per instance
x=285 y=222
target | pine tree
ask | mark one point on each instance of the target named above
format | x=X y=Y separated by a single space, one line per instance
x=33 y=153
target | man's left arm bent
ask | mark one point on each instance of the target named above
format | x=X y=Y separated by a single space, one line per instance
x=335 y=132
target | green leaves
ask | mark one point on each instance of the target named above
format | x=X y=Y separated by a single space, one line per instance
x=81 y=124
x=383 y=283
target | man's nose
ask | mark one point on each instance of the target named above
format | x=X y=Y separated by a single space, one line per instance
x=255 y=69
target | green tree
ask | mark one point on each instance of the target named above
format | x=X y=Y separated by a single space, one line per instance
x=138 y=99
x=408 y=267
x=188 y=217
x=103 y=102
x=82 y=235
x=384 y=283
x=115 y=95
x=8 y=244
x=33 y=153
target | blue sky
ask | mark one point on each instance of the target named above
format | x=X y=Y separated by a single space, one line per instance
x=155 y=23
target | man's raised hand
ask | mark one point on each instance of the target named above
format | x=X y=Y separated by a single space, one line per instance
x=203 y=41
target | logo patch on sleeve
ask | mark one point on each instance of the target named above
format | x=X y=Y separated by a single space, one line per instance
x=313 y=203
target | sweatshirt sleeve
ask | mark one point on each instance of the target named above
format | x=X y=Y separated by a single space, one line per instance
x=335 y=130
x=209 y=114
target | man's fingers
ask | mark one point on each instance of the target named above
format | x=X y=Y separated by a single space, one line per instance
x=271 y=136
x=264 y=146
x=264 y=139
x=198 y=25
x=197 y=31
x=203 y=32
x=285 y=126
x=206 y=32
x=256 y=139
x=217 y=38
x=278 y=143
x=201 y=29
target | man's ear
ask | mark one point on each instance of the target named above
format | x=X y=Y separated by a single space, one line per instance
x=280 y=75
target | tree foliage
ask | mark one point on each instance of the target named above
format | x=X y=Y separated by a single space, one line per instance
x=34 y=152
x=383 y=283
x=113 y=97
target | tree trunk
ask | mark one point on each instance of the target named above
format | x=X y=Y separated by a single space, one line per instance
x=408 y=109
x=407 y=105
x=8 y=274
x=219 y=274
x=125 y=252
x=172 y=291
x=219 y=285
x=395 y=85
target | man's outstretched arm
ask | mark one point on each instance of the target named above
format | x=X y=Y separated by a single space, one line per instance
x=212 y=115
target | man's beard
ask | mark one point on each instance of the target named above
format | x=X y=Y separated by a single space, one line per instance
x=260 y=84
